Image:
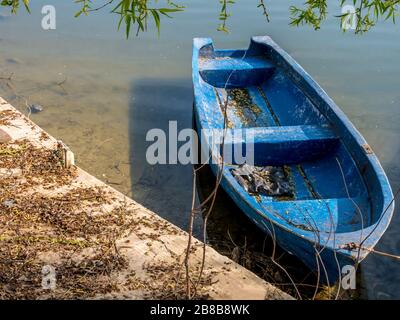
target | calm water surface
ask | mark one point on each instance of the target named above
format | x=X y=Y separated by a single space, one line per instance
x=115 y=90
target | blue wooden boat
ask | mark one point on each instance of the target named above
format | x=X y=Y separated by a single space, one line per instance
x=342 y=199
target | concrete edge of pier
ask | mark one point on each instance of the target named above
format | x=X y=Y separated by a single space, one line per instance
x=155 y=242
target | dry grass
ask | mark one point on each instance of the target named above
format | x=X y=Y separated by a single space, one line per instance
x=45 y=221
x=6 y=117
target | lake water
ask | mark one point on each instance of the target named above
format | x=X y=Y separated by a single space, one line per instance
x=114 y=90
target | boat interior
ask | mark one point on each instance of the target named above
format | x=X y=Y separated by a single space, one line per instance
x=288 y=131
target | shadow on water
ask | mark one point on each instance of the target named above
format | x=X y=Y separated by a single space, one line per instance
x=164 y=188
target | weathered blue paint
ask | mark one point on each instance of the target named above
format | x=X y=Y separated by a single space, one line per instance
x=294 y=144
x=342 y=193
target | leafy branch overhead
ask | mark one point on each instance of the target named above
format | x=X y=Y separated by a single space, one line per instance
x=14 y=4
x=138 y=13
x=133 y=12
x=366 y=13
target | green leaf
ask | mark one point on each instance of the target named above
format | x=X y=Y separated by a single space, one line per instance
x=78 y=13
x=128 y=25
x=26 y=4
x=156 y=17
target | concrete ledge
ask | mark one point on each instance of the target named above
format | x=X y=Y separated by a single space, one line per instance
x=150 y=248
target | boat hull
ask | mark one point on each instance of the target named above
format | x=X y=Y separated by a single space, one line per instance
x=343 y=202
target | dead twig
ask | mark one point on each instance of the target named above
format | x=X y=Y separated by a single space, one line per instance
x=7 y=78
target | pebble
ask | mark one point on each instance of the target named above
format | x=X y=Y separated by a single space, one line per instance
x=35 y=108
x=9 y=203
x=13 y=60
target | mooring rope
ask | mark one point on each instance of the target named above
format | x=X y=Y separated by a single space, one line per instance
x=353 y=246
x=372 y=250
